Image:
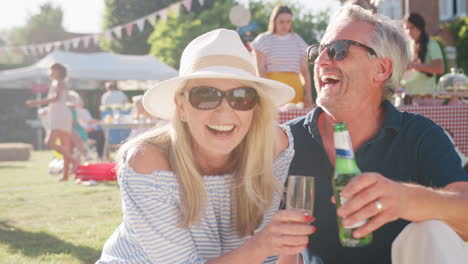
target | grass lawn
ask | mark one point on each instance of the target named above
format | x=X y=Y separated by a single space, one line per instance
x=46 y=221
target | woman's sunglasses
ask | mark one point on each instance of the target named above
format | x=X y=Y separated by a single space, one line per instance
x=206 y=98
x=337 y=50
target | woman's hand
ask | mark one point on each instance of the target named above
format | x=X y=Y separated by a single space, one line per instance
x=286 y=234
x=31 y=103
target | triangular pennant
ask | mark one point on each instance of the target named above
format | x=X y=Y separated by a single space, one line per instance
x=31 y=50
x=129 y=28
x=75 y=42
x=152 y=19
x=24 y=50
x=39 y=49
x=48 y=47
x=187 y=4
x=140 y=24
x=66 y=45
x=86 y=40
x=163 y=14
x=118 y=32
x=108 y=35
x=202 y=2
x=175 y=9
x=95 y=39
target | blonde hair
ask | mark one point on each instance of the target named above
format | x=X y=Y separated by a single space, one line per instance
x=278 y=10
x=252 y=162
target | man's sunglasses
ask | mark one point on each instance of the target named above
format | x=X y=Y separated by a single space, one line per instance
x=206 y=98
x=337 y=50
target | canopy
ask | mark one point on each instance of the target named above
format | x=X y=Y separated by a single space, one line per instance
x=101 y=66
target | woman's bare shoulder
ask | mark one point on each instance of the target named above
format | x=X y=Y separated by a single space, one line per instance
x=145 y=158
x=283 y=140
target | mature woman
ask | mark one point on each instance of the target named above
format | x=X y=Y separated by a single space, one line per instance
x=280 y=55
x=426 y=60
x=59 y=117
x=206 y=187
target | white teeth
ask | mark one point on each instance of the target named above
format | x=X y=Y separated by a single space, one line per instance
x=324 y=77
x=221 y=127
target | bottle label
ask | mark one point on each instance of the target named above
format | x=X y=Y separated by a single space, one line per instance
x=343 y=145
x=344 y=153
x=356 y=225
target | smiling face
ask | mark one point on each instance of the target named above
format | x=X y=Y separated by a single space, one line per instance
x=215 y=132
x=343 y=84
x=283 y=24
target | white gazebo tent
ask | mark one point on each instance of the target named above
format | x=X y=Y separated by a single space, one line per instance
x=99 y=66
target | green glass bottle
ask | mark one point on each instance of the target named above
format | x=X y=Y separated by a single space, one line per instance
x=345 y=169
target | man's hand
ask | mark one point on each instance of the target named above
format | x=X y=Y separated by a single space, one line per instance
x=373 y=197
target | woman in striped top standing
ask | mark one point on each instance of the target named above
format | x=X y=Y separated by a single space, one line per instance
x=206 y=187
x=280 y=55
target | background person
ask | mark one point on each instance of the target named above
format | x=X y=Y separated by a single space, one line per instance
x=60 y=118
x=113 y=96
x=206 y=187
x=426 y=59
x=91 y=126
x=279 y=53
x=411 y=171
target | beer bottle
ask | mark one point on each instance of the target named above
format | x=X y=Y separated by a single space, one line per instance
x=345 y=169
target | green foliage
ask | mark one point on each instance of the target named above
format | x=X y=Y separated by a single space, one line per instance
x=444 y=56
x=459 y=30
x=45 y=26
x=170 y=38
x=120 y=12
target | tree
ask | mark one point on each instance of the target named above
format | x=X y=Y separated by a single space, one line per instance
x=170 y=38
x=45 y=26
x=120 y=12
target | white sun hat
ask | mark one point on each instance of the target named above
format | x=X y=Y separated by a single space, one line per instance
x=216 y=54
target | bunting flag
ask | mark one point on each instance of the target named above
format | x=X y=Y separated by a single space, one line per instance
x=175 y=8
x=108 y=35
x=25 y=50
x=118 y=32
x=152 y=19
x=67 y=44
x=86 y=41
x=141 y=24
x=129 y=29
x=75 y=42
x=93 y=39
x=163 y=14
x=187 y=4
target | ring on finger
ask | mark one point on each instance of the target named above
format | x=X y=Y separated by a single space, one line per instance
x=379 y=206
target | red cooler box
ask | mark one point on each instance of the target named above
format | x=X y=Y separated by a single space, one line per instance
x=97 y=172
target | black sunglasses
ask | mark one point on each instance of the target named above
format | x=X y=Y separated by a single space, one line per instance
x=337 y=50
x=206 y=98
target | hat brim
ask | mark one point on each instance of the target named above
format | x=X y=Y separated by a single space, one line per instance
x=159 y=100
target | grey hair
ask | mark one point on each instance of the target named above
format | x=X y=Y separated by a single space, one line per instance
x=388 y=40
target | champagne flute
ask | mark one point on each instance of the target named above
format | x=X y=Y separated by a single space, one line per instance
x=300 y=195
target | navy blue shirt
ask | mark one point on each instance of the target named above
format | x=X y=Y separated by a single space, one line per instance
x=407 y=148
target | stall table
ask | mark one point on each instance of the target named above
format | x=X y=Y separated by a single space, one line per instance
x=106 y=127
x=453 y=118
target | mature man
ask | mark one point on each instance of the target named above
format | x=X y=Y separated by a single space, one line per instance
x=411 y=170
